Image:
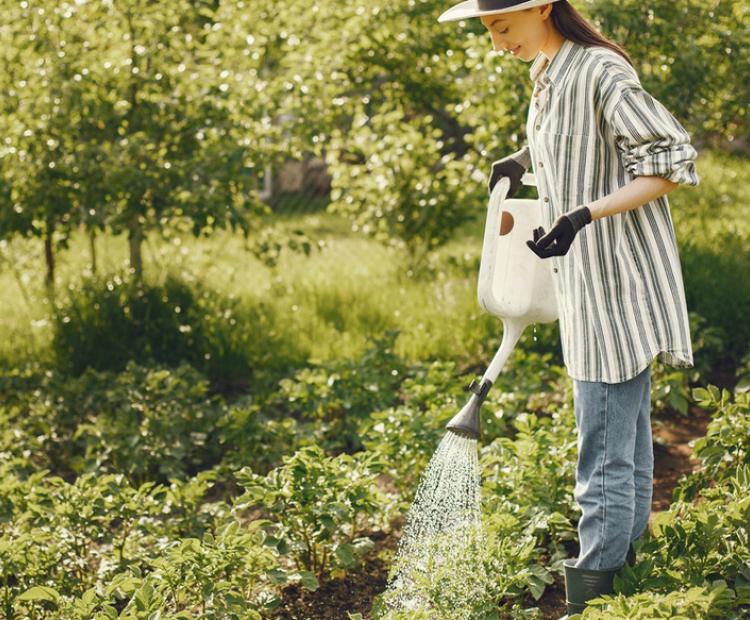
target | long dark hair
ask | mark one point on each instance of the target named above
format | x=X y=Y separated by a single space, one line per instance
x=572 y=25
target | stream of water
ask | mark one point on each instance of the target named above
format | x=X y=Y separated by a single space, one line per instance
x=443 y=529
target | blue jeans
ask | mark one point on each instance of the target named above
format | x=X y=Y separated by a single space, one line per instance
x=615 y=469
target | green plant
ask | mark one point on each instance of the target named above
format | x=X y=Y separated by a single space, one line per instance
x=108 y=321
x=670 y=385
x=697 y=603
x=319 y=504
x=147 y=423
x=100 y=548
x=726 y=445
x=332 y=399
x=535 y=469
x=698 y=543
x=406 y=435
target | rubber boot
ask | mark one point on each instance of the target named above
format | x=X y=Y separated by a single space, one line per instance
x=584 y=584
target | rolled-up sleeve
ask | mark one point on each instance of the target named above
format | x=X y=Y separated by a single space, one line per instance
x=649 y=139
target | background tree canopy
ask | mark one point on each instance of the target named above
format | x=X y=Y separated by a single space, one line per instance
x=134 y=115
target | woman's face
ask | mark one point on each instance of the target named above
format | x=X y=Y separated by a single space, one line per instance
x=523 y=33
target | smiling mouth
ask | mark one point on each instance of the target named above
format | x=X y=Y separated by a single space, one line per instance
x=515 y=50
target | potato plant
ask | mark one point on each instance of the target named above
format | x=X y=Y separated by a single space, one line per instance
x=318 y=504
x=100 y=548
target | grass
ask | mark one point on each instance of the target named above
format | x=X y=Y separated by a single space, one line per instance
x=353 y=287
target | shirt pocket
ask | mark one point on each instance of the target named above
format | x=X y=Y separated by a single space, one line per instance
x=566 y=162
x=597 y=252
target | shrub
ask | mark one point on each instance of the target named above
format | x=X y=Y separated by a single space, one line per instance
x=99 y=548
x=108 y=321
x=696 y=603
x=726 y=445
x=536 y=469
x=332 y=399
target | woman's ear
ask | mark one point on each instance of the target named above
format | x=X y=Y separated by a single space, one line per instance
x=545 y=10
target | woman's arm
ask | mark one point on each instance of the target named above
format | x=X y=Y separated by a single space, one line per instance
x=639 y=191
x=651 y=143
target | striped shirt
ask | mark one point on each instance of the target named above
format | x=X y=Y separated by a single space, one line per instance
x=591 y=129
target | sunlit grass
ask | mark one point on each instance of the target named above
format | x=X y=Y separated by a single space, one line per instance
x=332 y=301
x=353 y=287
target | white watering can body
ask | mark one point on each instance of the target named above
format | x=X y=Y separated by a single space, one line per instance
x=514 y=284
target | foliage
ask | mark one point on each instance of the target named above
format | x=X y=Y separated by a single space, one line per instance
x=164 y=122
x=319 y=503
x=487 y=575
x=742 y=374
x=99 y=548
x=142 y=130
x=147 y=423
x=107 y=321
x=695 y=560
x=670 y=386
x=534 y=472
x=332 y=399
x=696 y=603
x=405 y=435
x=714 y=255
x=686 y=54
x=701 y=546
x=726 y=445
x=269 y=243
x=527 y=514
x=402 y=107
x=390 y=178
x=248 y=425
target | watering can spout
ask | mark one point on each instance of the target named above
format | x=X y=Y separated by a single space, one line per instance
x=466 y=421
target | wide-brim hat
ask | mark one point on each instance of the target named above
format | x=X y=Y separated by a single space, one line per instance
x=475 y=8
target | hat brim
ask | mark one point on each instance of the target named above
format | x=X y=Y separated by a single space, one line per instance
x=469 y=8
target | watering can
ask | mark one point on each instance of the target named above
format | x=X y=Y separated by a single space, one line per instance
x=514 y=284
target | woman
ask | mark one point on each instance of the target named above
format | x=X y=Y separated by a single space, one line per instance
x=604 y=153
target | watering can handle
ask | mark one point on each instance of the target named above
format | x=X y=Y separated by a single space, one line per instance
x=527 y=178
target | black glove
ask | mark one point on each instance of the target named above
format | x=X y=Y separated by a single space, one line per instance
x=563 y=231
x=513 y=166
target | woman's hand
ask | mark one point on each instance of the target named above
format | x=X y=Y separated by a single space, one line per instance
x=563 y=232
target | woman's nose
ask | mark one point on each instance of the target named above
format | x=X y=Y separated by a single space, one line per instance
x=497 y=44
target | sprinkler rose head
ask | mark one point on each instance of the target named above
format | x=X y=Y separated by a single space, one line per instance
x=463 y=432
x=466 y=421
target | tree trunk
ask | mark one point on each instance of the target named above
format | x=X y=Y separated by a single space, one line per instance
x=49 y=258
x=135 y=238
x=266 y=194
x=92 y=248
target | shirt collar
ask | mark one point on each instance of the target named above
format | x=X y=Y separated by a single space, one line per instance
x=557 y=67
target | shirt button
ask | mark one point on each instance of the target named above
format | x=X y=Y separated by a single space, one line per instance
x=541 y=165
x=546 y=199
x=538 y=126
x=554 y=269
